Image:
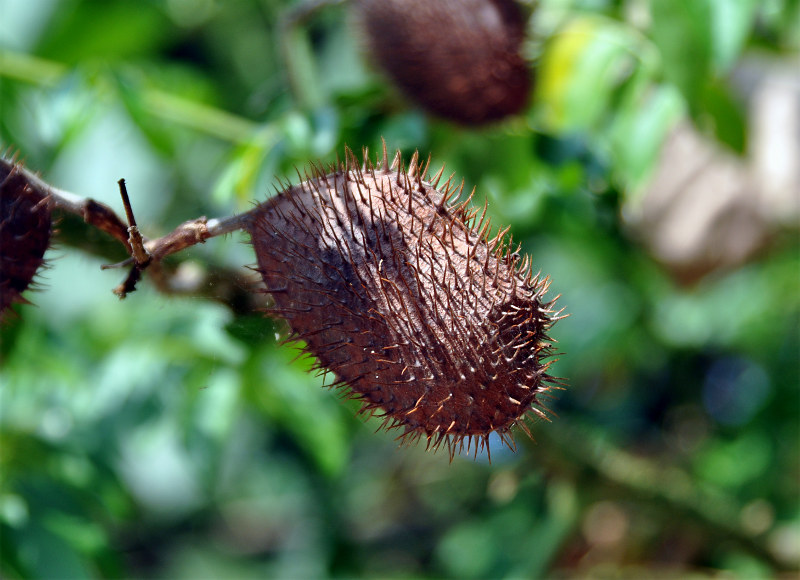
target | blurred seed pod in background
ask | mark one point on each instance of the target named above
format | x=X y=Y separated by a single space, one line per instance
x=457 y=59
x=396 y=289
x=25 y=230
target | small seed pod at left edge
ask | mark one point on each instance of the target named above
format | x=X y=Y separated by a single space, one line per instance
x=25 y=231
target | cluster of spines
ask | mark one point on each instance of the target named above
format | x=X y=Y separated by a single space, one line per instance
x=451 y=213
x=474 y=218
x=25 y=232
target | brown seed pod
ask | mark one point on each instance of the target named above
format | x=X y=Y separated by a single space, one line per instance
x=25 y=230
x=397 y=291
x=458 y=59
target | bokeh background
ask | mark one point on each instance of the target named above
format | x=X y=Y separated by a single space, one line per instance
x=655 y=177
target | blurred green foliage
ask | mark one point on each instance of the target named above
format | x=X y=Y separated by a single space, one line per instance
x=171 y=438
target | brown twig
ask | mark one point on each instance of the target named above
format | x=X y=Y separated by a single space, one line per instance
x=193 y=232
x=186 y=235
x=92 y=212
x=140 y=256
x=143 y=253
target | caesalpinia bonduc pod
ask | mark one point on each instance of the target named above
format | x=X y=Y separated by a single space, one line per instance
x=394 y=287
x=457 y=59
x=25 y=230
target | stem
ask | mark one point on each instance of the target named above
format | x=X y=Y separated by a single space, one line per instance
x=195 y=231
x=138 y=251
x=200 y=117
x=104 y=218
x=92 y=212
x=31 y=69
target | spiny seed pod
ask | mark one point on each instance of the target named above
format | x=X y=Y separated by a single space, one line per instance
x=458 y=59
x=397 y=290
x=25 y=229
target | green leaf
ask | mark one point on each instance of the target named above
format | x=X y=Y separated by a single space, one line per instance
x=580 y=69
x=732 y=21
x=721 y=114
x=241 y=177
x=682 y=30
x=639 y=131
x=97 y=30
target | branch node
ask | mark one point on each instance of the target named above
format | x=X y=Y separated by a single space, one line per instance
x=129 y=285
x=140 y=254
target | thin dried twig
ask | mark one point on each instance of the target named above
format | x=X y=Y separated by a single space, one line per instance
x=138 y=251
